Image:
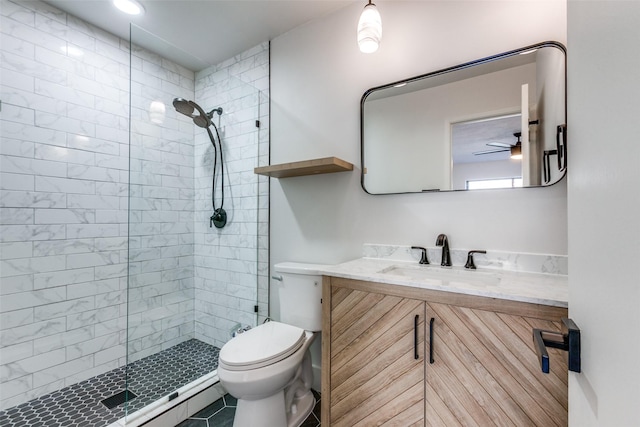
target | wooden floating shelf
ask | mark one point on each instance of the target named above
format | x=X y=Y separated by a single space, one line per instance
x=306 y=167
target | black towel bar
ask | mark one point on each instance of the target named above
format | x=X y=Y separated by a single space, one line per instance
x=568 y=340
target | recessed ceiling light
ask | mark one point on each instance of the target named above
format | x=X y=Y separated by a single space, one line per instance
x=130 y=7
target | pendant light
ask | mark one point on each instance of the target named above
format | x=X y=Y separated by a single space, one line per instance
x=369 y=29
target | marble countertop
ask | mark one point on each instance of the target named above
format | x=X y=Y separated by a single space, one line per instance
x=536 y=288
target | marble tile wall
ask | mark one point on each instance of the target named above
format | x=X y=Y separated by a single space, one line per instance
x=231 y=264
x=64 y=198
x=64 y=174
x=161 y=285
x=63 y=166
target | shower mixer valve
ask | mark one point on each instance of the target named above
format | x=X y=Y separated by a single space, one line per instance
x=219 y=218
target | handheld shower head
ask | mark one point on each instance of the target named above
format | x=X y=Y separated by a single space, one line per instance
x=183 y=106
x=187 y=108
x=203 y=120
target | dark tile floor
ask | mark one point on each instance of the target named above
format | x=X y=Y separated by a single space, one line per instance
x=79 y=404
x=221 y=412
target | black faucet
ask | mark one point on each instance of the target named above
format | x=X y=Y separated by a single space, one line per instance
x=423 y=257
x=470 y=264
x=443 y=241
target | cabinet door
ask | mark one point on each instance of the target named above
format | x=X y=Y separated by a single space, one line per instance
x=485 y=371
x=375 y=376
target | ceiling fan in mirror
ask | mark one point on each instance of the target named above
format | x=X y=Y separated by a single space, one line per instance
x=515 y=149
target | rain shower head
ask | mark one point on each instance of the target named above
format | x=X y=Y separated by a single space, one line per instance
x=187 y=108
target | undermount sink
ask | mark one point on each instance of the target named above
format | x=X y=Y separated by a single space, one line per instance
x=433 y=272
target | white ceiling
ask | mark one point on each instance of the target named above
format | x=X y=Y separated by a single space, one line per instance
x=205 y=32
x=472 y=137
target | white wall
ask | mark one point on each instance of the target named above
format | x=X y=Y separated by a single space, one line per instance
x=604 y=208
x=318 y=76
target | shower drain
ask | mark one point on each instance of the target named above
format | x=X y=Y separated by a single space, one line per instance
x=118 y=399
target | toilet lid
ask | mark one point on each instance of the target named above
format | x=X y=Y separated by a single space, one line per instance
x=261 y=346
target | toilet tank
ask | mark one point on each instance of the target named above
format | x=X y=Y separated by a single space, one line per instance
x=300 y=295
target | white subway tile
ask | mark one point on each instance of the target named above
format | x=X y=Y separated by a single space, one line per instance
x=111 y=271
x=14 y=147
x=48 y=11
x=87 y=143
x=63 y=247
x=32 y=199
x=64 y=185
x=92 y=201
x=15 y=352
x=30 y=365
x=94 y=288
x=12 y=319
x=30 y=332
x=64 y=277
x=20 y=64
x=30 y=33
x=93 y=317
x=15 y=249
x=15 y=284
x=18 y=13
x=48 y=375
x=21 y=266
x=55 y=310
x=93 y=173
x=63 y=93
x=64 y=216
x=92 y=259
x=89 y=346
x=15 y=215
x=61 y=340
x=19 y=131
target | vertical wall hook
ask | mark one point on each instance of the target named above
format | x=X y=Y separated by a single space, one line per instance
x=567 y=340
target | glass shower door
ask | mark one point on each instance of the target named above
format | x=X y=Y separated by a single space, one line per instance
x=190 y=284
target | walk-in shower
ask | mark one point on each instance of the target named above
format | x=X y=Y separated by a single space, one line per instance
x=203 y=120
x=112 y=279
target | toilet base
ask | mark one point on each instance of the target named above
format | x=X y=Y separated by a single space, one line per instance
x=304 y=407
x=271 y=411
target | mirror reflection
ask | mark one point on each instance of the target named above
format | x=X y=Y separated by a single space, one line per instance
x=498 y=122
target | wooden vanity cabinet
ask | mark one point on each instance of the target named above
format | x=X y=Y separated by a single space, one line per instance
x=484 y=369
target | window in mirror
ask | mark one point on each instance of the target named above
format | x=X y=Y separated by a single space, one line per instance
x=485 y=184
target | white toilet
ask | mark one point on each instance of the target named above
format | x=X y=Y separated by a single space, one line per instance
x=268 y=368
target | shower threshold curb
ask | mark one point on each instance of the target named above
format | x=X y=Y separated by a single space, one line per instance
x=191 y=398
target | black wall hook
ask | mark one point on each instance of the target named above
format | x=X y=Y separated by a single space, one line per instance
x=567 y=340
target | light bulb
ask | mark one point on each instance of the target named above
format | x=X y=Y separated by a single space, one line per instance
x=369 y=29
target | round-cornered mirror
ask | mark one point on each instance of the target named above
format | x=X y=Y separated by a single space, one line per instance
x=498 y=122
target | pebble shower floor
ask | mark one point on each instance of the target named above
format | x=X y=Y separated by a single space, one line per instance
x=79 y=405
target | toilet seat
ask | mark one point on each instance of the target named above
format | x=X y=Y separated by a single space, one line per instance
x=261 y=346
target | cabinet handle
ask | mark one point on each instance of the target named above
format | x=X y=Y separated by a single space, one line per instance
x=431 y=359
x=415 y=337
